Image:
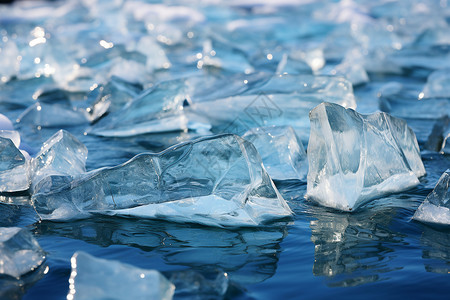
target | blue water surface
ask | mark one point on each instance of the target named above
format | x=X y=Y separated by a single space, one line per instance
x=378 y=252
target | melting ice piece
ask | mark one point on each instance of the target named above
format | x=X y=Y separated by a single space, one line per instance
x=436 y=207
x=156 y=110
x=354 y=158
x=282 y=100
x=96 y=278
x=14 y=168
x=19 y=251
x=438 y=85
x=61 y=155
x=281 y=151
x=218 y=181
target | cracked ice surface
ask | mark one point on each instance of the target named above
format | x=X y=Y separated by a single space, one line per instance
x=218 y=181
x=436 y=207
x=354 y=158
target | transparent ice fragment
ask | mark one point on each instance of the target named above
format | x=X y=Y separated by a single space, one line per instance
x=438 y=85
x=52 y=115
x=281 y=151
x=354 y=158
x=217 y=181
x=61 y=155
x=436 y=207
x=14 y=168
x=19 y=251
x=195 y=285
x=281 y=100
x=96 y=278
x=159 y=109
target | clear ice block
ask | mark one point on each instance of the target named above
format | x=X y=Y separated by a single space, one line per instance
x=354 y=158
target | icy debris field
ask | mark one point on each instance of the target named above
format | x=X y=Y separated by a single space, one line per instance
x=291 y=149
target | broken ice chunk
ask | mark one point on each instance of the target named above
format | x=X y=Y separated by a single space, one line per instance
x=218 y=181
x=354 y=158
x=438 y=85
x=195 y=285
x=62 y=154
x=159 y=109
x=5 y=123
x=96 y=278
x=281 y=151
x=19 y=251
x=281 y=100
x=436 y=207
x=14 y=168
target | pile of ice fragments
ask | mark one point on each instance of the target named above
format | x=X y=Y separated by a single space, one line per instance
x=235 y=91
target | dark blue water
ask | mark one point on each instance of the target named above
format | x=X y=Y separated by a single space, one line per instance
x=377 y=252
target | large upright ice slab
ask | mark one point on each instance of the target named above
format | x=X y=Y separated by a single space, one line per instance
x=354 y=158
x=218 y=181
x=20 y=253
x=281 y=151
x=96 y=278
x=61 y=155
x=436 y=207
x=14 y=168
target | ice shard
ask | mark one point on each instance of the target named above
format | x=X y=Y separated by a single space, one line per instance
x=96 y=278
x=282 y=100
x=436 y=207
x=159 y=109
x=61 y=155
x=14 y=168
x=281 y=151
x=437 y=85
x=354 y=158
x=217 y=181
x=19 y=251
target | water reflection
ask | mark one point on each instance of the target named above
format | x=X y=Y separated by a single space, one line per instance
x=436 y=252
x=353 y=249
x=13 y=288
x=247 y=255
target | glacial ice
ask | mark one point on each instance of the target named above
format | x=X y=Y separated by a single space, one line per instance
x=281 y=151
x=436 y=207
x=19 y=251
x=354 y=158
x=217 y=181
x=96 y=278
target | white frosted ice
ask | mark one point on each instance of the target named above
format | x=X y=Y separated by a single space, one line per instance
x=354 y=158
x=14 y=168
x=95 y=278
x=436 y=207
x=438 y=85
x=281 y=151
x=20 y=253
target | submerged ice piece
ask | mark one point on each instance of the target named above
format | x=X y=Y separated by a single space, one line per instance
x=354 y=158
x=218 y=181
x=96 y=278
x=61 y=155
x=14 y=168
x=281 y=151
x=436 y=207
x=20 y=253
